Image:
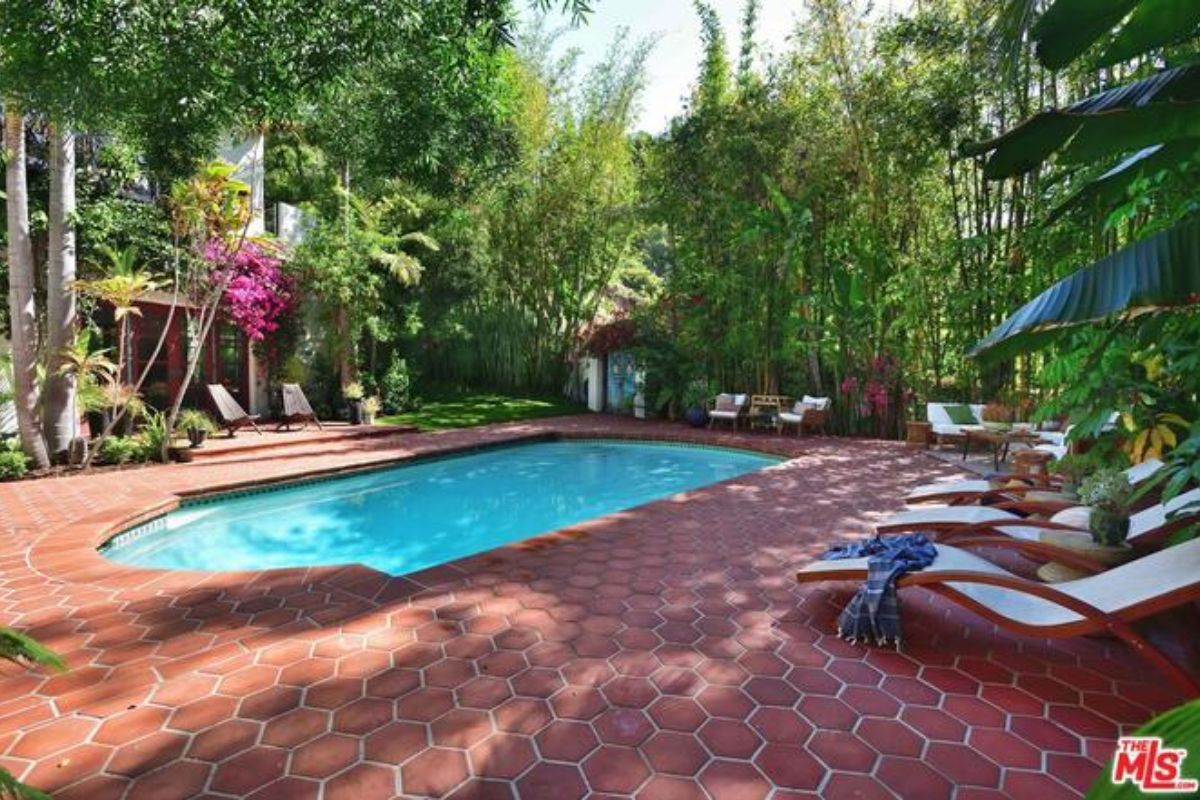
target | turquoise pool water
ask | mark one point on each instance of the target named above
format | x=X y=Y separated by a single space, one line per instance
x=407 y=518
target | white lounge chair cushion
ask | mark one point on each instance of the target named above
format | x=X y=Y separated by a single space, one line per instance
x=724 y=414
x=1153 y=518
x=1143 y=471
x=948 y=488
x=790 y=418
x=817 y=403
x=940 y=515
x=1119 y=588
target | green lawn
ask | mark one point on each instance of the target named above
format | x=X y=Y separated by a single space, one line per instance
x=464 y=411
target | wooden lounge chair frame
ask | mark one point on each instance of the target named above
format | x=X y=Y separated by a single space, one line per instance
x=1094 y=620
x=948 y=531
x=1009 y=491
x=233 y=416
x=296 y=408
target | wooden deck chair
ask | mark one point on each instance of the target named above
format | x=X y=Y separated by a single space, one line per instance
x=296 y=409
x=1007 y=487
x=233 y=417
x=1107 y=602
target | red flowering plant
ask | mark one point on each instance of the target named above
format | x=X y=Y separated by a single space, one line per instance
x=259 y=292
x=874 y=404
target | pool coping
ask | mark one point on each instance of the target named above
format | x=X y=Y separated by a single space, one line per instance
x=72 y=552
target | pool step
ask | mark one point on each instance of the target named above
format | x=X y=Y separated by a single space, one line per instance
x=249 y=443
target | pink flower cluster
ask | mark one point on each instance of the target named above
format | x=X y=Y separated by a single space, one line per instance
x=260 y=291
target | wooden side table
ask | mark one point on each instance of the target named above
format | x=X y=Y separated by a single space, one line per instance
x=919 y=434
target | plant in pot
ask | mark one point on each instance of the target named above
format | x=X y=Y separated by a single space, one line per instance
x=353 y=394
x=695 y=399
x=197 y=425
x=370 y=408
x=1109 y=494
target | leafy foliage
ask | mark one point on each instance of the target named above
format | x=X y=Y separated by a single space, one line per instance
x=1179 y=727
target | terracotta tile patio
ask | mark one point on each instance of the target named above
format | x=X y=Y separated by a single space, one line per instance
x=661 y=652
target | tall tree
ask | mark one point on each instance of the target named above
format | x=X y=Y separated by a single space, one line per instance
x=60 y=412
x=22 y=307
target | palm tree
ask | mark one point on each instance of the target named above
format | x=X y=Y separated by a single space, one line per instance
x=60 y=417
x=22 y=307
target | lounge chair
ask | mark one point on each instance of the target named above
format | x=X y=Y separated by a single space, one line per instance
x=809 y=413
x=1147 y=527
x=233 y=416
x=728 y=408
x=296 y=408
x=1107 y=602
x=951 y=420
x=1006 y=487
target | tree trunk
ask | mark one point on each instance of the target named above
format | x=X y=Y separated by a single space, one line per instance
x=22 y=308
x=61 y=416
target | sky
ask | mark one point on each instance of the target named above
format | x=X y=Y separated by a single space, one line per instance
x=674 y=62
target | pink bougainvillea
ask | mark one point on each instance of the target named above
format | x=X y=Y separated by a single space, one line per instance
x=260 y=291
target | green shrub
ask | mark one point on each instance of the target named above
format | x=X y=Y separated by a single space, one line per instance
x=122 y=450
x=152 y=437
x=191 y=419
x=13 y=465
x=396 y=387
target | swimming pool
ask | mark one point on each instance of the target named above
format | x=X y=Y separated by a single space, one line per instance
x=406 y=518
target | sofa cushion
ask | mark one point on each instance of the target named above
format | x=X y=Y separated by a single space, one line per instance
x=960 y=414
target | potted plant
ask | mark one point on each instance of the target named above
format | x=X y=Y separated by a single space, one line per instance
x=197 y=425
x=1109 y=494
x=370 y=408
x=353 y=393
x=695 y=400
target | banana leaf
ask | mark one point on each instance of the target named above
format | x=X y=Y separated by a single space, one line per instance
x=1179 y=727
x=1158 y=109
x=1153 y=24
x=1111 y=188
x=1069 y=27
x=1158 y=273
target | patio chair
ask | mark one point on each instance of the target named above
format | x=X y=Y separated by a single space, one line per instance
x=1008 y=486
x=296 y=408
x=728 y=408
x=811 y=413
x=1147 y=527
x=1107 y=602
x=233 y=416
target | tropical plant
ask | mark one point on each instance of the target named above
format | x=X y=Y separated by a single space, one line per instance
x=1155 y=439
x=192 y=419
x=155 y=437
x=396 y=387
x=121 y=450
x=122 y=285
x=13 y=465
x=1109 y=494
x=28 y=652
x=1178 y=728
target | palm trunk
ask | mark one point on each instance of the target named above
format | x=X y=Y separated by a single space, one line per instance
x=61 y=416
x=22 y=308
